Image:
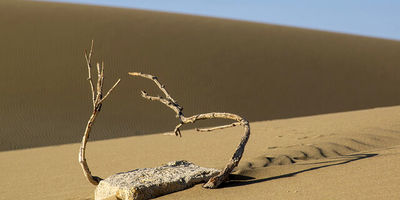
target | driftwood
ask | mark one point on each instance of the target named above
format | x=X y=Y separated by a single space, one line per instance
x=97 y=101
x=215 y=181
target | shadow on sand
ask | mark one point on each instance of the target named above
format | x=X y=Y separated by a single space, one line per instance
x=241 y=180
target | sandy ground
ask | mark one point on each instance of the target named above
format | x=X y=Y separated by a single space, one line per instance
x=349 y=155
x=261 y=72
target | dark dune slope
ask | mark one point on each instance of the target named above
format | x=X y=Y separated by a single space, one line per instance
x=259 y=71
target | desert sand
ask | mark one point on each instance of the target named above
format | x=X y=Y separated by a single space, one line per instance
x=323 y=107
x=258 y=71
x=349 y=155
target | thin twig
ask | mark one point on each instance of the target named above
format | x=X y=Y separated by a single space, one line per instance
x=155 y=79
x=97 y=103
x=88 y=58
x=215 y=181
x=218 y=127
x=110 y=90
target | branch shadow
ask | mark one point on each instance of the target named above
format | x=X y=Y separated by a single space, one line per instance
x=242 y=180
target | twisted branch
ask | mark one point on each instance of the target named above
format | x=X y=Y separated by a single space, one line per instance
x=97 y=100
x=215 y=181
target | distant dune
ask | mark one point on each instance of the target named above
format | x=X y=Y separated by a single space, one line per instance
x=259 y=71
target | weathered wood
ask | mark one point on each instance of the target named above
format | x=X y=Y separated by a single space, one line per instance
x=97 y=100
x=218 y=127
x=215 y=181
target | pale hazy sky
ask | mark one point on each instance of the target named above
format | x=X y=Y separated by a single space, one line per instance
x=376 y=18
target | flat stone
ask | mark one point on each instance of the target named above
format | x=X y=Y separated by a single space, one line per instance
x=148 y=183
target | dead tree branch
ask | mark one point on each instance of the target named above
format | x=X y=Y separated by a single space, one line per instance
x=218 y=127
x=214 y=182
x=97 y=100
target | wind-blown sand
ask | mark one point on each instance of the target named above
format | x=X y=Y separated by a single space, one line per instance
x=261 y=72
x=258 y=71
x=350 y=155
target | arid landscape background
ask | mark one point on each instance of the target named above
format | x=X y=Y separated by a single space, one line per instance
x=259 y=71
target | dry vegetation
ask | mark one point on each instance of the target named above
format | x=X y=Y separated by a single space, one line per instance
x=97 y=101
x=214 y=182
x=98 y=98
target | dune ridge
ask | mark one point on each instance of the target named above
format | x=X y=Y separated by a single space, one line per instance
x=258 y=71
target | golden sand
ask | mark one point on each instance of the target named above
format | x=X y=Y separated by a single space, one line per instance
x=258 y=71
x=262 y=72
x=350 y=155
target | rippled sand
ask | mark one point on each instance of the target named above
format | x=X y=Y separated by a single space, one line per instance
x=349 y=155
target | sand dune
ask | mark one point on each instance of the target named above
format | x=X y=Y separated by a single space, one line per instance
x=283 y=80
x=350 y=155
x=259 y=71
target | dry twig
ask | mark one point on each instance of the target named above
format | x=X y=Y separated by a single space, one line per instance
x=215 y=181
x=97 y=100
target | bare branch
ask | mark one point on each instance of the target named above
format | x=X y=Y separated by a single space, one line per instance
x=176 y=108
x=110 y=90
x=101 y=76
x=218 y=127
x=97 y=103
x=98 y=89
x=155 y=79
x=177 y=130
x=88 y=58
x=214 y=182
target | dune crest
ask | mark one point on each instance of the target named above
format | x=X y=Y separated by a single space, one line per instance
x=271 y=72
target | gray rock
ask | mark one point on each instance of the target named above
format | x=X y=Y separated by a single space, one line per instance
x=148 y=183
